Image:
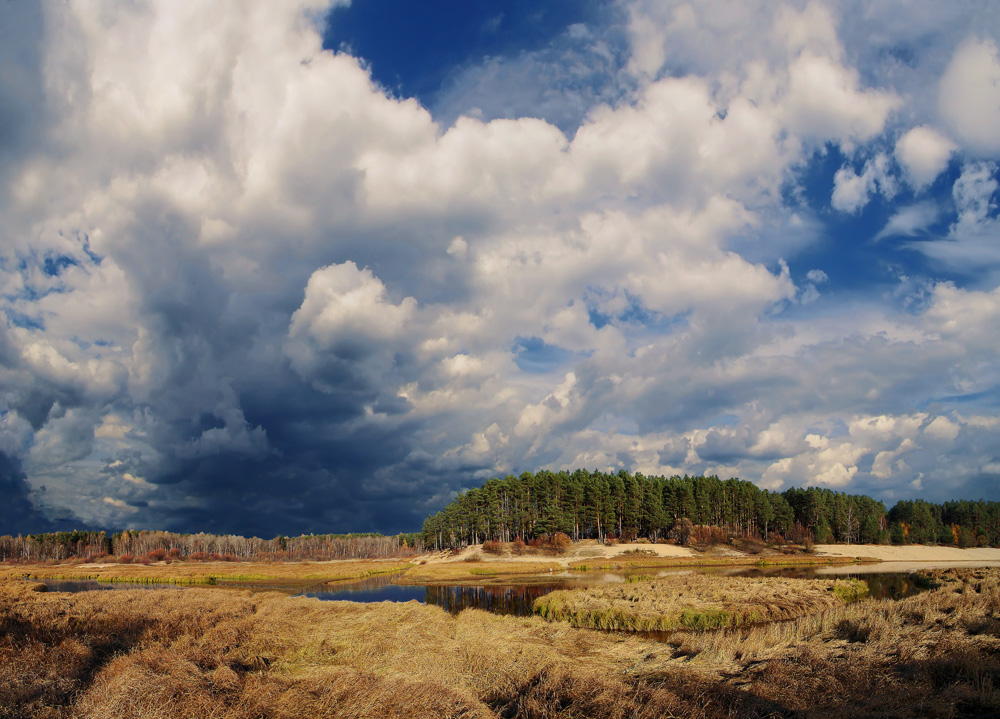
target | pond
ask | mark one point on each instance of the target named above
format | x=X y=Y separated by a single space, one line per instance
x=516 y=599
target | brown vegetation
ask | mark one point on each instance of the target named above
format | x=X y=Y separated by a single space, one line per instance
x=205 y=653
x=695 y=601
x=638 y=559
x=91 y=546
x=480 y=572
x=210 y=572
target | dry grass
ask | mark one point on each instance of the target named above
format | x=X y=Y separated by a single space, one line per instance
x=190 y=573
x=235 y=655
x=478 y=572
x=638 y=559
x=695 y=601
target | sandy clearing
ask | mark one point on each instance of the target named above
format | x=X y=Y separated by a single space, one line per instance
x=587 y=549
x=909 y=553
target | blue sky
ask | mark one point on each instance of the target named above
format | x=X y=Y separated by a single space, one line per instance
x=294 y=267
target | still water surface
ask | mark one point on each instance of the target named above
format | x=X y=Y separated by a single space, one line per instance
x=513 y=599
x=517 y=599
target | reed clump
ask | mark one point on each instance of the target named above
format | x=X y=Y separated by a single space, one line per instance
x=695 y=601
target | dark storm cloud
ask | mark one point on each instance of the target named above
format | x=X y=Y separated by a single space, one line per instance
x=18 y=514
x=245 y=290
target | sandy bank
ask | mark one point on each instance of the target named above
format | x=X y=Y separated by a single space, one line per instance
x=909 y=553
x=586 y=549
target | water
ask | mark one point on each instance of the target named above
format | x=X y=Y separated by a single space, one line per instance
x=513 y=599
x=517 y=599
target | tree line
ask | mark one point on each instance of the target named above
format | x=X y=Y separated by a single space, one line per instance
x=96 y=545
x=598 y=505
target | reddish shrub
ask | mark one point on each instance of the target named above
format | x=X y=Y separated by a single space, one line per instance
x=749 y=543
x=157 y=555
x=174 y=553
x=125 y=558
x=610 y=540
x=518 y=546
x=707 y=536
x=560 y=542
x=145 y=560
x=491 y=547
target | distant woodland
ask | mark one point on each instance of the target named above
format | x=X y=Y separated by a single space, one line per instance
x=143 y=546
x=626 y=506
x=579 y=504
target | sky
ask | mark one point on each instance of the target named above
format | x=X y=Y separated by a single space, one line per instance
x=297 y=267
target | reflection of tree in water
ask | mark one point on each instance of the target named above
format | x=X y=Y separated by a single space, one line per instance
x=516 y=600
x=889 y=586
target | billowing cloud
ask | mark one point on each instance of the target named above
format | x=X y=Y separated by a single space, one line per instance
x=969 y=95
x=852 y=191
x=923 y=152
x=243 y=288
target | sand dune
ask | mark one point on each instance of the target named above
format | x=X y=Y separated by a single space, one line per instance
x=909 y=553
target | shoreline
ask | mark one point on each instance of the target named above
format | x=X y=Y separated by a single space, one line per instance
x=909 y=553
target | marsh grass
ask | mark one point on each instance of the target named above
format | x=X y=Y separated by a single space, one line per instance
x=695 y=601
x=235 y=655
x=479 y=573
x=210 y=573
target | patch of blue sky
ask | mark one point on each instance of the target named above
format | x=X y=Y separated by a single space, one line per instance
x=616 y=424
x=832 y=428
x=726 y=419
x=53 y=266
x=19 y=319
x=634 y=314
x=855 y=250
x=535 y=356
x=422 y=49
x=988 y=398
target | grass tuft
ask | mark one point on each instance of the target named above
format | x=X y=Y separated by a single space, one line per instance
x=697 y=602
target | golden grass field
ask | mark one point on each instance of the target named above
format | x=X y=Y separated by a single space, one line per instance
x=696 y=601
x=472 y=568
x=211 y=572
x=479 y=572
x=201 y=652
